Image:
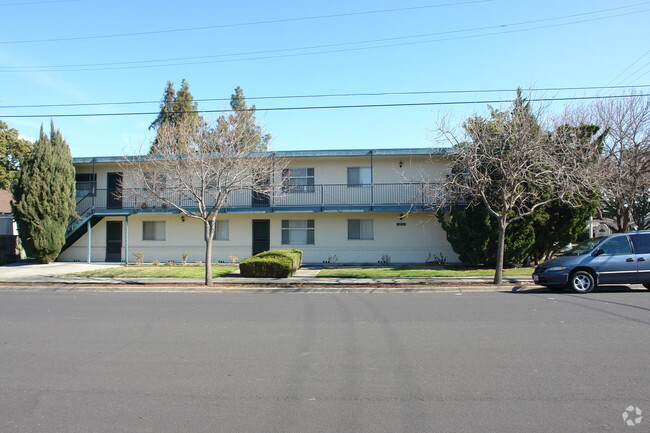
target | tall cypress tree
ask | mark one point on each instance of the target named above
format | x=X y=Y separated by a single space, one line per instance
x=44 y=196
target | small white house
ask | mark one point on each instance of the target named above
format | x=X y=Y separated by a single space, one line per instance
x=344 y=206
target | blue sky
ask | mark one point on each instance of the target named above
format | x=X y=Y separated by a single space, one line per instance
x=268 y=48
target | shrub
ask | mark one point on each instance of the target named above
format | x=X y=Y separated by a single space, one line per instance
x=233 y=259
x=184 y=257
x=272 y=264
x=155 y=263
x=139 y=257
x=171 y=263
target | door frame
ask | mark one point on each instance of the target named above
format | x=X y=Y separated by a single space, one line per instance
x=256 y=240
x=114 y=187
x=112 y=257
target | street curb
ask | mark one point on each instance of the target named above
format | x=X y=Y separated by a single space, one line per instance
x=459 y=290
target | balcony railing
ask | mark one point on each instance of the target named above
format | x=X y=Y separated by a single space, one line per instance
x=313 y=196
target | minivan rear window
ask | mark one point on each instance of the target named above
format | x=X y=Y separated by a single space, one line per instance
x=641 y=243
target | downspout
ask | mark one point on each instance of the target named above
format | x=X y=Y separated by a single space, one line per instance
x=272 y=180
x=372 y=182
x=95 y=185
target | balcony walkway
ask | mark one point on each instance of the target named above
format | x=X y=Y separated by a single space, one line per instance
x=305 y=198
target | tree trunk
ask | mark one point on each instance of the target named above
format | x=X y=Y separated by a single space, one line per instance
x=498 y=274
x=208 y=253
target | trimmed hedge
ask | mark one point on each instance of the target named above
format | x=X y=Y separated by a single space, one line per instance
x=271 y=264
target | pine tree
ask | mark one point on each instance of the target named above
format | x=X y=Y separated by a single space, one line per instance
x=251 y=137
x=44 y=197
x=176 y=108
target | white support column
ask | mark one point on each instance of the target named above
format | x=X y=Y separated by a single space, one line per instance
x=90 y=240
x=126 y=239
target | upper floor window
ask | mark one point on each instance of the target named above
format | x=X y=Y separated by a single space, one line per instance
x=155 y=181
x=86 y=184
x=359 y=176
x=298 y=180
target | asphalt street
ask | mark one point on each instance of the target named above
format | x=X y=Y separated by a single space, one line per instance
x=533 y=361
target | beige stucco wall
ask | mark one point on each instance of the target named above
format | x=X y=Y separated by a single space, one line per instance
x=411 y=243
x=328 y=170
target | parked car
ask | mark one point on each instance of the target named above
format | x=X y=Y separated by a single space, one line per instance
x=621 y=258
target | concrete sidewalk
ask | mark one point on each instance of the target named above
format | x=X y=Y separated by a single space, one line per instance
x=29 y=274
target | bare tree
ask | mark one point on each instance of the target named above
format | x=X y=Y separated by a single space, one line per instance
x=625 y=166
x=514 y=166
x=211 y=170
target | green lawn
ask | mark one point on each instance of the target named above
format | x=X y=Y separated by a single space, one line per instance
x=162 y=271
x=414 y=271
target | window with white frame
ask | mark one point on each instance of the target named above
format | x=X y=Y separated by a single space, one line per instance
x=361 y=229
x=221 y=231
x=298 y=232
x=359 y=176
x=153 y=230
x=298 y=180
x=85 y=183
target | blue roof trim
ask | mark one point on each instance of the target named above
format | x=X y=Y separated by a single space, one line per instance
x=303 y=153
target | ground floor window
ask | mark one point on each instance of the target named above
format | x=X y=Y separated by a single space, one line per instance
x=360 y=229
x=221 y=232
x=297 y=232
x=153 y=230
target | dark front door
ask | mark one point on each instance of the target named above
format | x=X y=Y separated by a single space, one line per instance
x=113 y=241
x=261 y=236
x=114 y=190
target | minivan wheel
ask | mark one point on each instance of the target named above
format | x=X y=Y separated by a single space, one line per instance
x=647 y=286
x=582 y=282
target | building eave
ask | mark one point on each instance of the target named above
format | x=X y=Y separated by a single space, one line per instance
x=439 y=151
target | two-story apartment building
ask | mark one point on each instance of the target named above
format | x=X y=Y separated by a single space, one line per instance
x=340 y=206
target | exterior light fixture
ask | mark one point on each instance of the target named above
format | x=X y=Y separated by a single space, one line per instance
x=183 y=218
x=401 y=164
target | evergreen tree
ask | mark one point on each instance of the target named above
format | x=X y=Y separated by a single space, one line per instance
x=176 y=108
x=44 y=196
x=474 y=236
x=557 y=224
x=13 y=150
x=251 y=136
